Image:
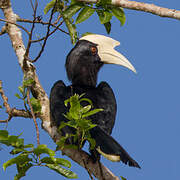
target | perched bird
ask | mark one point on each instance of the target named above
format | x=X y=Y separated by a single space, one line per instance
x=82 y=65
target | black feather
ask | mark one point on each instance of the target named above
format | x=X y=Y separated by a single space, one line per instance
x=82 y=68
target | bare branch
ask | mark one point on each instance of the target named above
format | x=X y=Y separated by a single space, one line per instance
x=32 y=28
x=38 y=40
x=15 y=24
x=44 y=23
x=6 y=120
x=5 y=99
x=12 y=112
x=47 y=35
x=140 y=6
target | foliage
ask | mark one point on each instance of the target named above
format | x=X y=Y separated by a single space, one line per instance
x=23 y=95
x=123 y=178
x=28 y=156
x=78 y=119
x=70 y=8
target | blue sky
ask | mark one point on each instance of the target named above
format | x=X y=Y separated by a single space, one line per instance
x=148 y=118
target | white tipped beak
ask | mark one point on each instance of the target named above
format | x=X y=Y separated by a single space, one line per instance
x=107 y=52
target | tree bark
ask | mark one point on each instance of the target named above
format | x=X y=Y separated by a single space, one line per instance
x=140 y=6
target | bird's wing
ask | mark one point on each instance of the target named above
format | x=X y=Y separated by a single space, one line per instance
x=106 y=100
x=59 y=93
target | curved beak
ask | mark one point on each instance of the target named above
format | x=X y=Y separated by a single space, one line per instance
x=111 y=56
x=107 y=52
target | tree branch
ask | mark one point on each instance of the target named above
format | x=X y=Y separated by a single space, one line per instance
x=38 y=91
x=145 y=7
x=12 y=112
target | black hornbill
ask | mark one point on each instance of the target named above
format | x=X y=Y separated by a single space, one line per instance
x=82 y=65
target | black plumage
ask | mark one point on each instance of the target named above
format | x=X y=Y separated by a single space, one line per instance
x=82 y=65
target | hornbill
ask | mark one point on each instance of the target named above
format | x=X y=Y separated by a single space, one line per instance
x=82 y=65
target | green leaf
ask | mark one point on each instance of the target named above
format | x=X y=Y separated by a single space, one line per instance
x=104 y=16
x=63 y=162
x=118 y=12
x=28 y=82
x=16 y=142
x=84 y=14
x=90 y=126
x=21 y=159
x=21 y=89
x=60 y=161
x=85 y=109
x=50 y=5
x=72 y=123
x=47 y=160
x=92 y=143
x=63 y=124
x=3 y=135
x=72 y=30
x=12 y=140
x=18 y=96
x=90 y=113
x=43 y=149
x=87 y=100
x=29 y=146
x=103 y=2
x=17 y=151
x=66 y=173
x=72 y=10
x=74 y=107
x=22 y=169
x=108 y=27
x=35 y=105
x=74 y=2
x=123 y=178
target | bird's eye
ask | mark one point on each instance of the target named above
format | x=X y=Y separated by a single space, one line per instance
x=93 y=50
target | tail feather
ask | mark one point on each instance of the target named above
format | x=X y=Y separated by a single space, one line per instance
x=107 y=146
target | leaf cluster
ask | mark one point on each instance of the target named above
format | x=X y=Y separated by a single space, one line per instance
x=78 y=117
x=35 y=103
x=28 y=156
x=69 y=8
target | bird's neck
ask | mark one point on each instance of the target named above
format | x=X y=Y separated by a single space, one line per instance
x=85 y=77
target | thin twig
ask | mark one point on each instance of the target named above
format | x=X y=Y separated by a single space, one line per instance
x=16 y=25
x=5 y=99
x=43 y=23
x=38 y=40
x=47 y=35
x=6 y=120
x=57 y=20
x=32 y=28
x=12 y=112
x=33 y=115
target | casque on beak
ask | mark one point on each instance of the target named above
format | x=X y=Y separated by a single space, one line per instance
x=107 y=52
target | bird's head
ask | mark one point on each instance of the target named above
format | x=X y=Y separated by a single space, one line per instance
x=89 y=54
